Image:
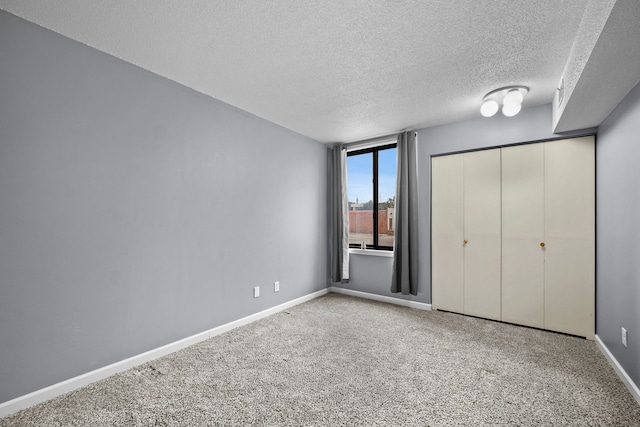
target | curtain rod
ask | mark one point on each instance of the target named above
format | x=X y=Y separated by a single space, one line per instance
x=370 y=141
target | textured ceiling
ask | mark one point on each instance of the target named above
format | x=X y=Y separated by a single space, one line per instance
x=333 y=70
x=600 y=70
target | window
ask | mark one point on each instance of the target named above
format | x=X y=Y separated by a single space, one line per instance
x=371 y=181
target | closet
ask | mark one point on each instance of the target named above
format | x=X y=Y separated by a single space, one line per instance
x=513 y=234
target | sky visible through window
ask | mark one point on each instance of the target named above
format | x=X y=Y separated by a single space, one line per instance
x=360 y=176
x=386 y=174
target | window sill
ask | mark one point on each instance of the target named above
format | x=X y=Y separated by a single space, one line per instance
x=371 y=252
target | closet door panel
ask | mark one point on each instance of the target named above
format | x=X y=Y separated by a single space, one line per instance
x=522 y=234
x=570 y=235
x=482 y=227
x=569 y=292
x=447 y=233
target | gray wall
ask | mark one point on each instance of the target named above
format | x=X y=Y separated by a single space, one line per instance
x=373 y=274
x=618 y=232
x=135 y=212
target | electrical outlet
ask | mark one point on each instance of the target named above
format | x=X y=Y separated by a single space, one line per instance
x=276 y=286
x=624 y=337
x=256 y=292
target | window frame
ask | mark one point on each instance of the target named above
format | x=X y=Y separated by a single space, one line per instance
x=374 y=150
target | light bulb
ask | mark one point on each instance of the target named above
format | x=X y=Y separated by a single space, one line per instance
x=514 y=96
x=489 y=108
x=511 y=110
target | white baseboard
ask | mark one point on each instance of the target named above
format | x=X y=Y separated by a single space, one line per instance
x=381 y=298
x=626 y=379
x=47 y=393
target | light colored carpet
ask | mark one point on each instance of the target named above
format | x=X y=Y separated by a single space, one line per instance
x=339 y=360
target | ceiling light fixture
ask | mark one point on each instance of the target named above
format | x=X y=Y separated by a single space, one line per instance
x=511 y=98
x=511 y=110
x=489 y=108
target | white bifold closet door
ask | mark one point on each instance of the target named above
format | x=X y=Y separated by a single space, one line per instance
x=466 y=233
x=523 y=235
x=548 y=235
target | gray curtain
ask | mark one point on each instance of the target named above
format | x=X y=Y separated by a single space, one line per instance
x=339 y=243
x=405 y=253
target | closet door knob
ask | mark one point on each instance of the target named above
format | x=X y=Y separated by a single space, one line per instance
x=542 y=244
x=465 y=242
